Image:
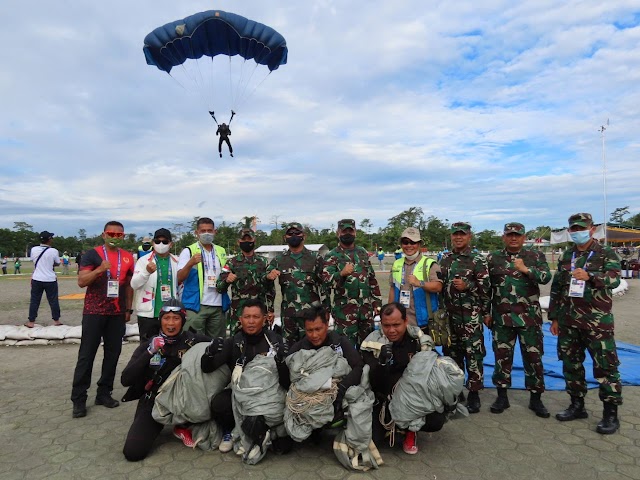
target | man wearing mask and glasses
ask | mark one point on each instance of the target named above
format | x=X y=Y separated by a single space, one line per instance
x=415 y=280
x=246 y=274
x=106 y=271
x=199 y=266
x=154 y=281
x=299 y=272
x=356 y=293
x=581 y=317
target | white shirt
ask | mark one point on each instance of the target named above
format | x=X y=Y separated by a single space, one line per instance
x=44 y=270
x=210 y=296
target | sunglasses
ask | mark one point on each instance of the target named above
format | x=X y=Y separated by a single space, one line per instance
x=158 y=242
x=408 y=242
x=295 y=233
x=115 y=234
x=171 y=308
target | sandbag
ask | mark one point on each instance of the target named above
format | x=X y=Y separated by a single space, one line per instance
x=74 y=332
x=131 y=330
x=52 y=332
x=15 y=332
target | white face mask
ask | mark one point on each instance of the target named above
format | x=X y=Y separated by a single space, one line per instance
x=206 y=238
x=412 y=257
x=161 y=248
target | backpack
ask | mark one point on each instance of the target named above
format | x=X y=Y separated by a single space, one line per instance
x=439 y=328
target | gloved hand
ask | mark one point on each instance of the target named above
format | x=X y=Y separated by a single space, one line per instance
x=283 y=351
x=214 y=347
x=155 y=344
x=338 y=412
x=386 y=354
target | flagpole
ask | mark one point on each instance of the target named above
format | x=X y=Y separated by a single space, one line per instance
x=604 y=179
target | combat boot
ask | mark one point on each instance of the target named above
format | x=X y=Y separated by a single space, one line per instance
x=609 y=423
x=473 y=402
x=574 y=411
x=535 y=404
x=501 y=403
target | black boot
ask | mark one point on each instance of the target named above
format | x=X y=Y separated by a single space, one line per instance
x=501 y=403
x=574 y=411
x=609 y=423
x=473 y=402
x=535 y=404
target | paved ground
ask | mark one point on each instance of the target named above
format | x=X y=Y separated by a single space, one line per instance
x=39 y=439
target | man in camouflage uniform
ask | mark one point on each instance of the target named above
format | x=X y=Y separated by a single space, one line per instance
x=299 y=272
x=246 y=273
x=466 y=299
x=356 y=293
x=516 y=274
x=580 y=311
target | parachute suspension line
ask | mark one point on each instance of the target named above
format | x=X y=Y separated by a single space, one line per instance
x=247 y=97
x=245 y=83
x=231 y=93
x=199 y=82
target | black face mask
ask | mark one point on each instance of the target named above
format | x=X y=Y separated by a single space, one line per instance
x=146 y=246
x=294 y=241
x=347 y=238
x=246 y=247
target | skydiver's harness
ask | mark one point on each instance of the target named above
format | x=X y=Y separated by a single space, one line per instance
x=162 y=367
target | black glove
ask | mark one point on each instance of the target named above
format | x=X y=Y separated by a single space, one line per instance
x=214 y=347
x=386 y=354
x=283 y=351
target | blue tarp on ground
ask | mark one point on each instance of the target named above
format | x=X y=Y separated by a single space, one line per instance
x=628 y=354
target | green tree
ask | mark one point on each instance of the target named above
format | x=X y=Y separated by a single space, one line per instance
x=487 y=240
x=617 y=216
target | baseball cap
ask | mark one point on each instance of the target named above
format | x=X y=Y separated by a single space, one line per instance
x=514 y=227
x=246 y=231
x=161 y=232
x=412 y=234
x=581 y=219
x=460 y=227
x=293 y=226
x=346 y=223
x=45 y=236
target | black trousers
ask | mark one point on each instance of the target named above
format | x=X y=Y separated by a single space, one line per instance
x=149 y=328
x=109 y=328
x=143 y=432
x=434 y=423
x=220 y=144
x=51 y=289
x=222 y=410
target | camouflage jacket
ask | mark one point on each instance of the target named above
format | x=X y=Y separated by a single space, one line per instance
x=472 y=268
x=252 y=281
x=300 y=281
x=515 y=295
x=593 y=310
x=360 y=287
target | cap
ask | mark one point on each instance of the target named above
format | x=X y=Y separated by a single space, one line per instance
x=45 y=236
x=514 y=227
x=161 y=232
x=146 y=239
x=581 y=219
x=412 y=234
x=292 y=225
x=460 y=227
x=346 y=223
x=246 y=231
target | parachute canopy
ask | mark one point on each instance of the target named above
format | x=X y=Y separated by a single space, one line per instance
x=212 y=33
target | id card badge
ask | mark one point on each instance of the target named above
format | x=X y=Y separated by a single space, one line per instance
x=576 y=288
x=156 y=360
x=113 y=289
x=165 y=292
x=405 y=298
x=211 y=281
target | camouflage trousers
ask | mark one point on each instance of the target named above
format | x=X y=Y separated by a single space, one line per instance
x=354 y=327
x=292 y=329
x=572 y=344
x=467 y=348
x=531 y=349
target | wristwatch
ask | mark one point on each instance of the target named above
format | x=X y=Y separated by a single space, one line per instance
x=130 y=310
x=422 y=283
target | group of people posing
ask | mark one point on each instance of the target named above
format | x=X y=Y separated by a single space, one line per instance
x=500 y=292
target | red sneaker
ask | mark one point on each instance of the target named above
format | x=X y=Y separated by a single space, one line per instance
x=410 y=444
x=184 y=434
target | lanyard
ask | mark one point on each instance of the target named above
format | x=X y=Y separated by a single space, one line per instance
x=106 y=257
x=573 y=261
x=204 y=258
x=169 y=272
x=404 y=266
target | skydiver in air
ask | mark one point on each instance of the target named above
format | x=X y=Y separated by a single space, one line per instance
x=224 y=131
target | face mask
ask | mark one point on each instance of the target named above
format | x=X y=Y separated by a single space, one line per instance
x=161 y=248
x=347 y=238
x=412 y=257
x=246 y=247
x=581 y=237
x=146 y=246
x=114 y=242
x=294 y=241
x=206 y=238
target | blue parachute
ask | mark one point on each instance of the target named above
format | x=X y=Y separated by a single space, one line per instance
x=213 y=33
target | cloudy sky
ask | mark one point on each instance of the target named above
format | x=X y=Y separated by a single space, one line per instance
x=480 y=111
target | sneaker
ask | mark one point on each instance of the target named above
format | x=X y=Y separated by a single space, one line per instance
x=107 y=401
x=410 y=444
x=226 y=445
x=184 y=434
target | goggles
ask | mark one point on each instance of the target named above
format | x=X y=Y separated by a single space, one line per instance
x=171 y=308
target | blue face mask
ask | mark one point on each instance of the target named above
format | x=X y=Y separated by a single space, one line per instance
x=581 y=237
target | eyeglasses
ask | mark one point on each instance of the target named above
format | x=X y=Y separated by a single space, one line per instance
x=171 y=308
x=294 y=233
x=406 y=241
x=158 y=242
x=115 y=234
